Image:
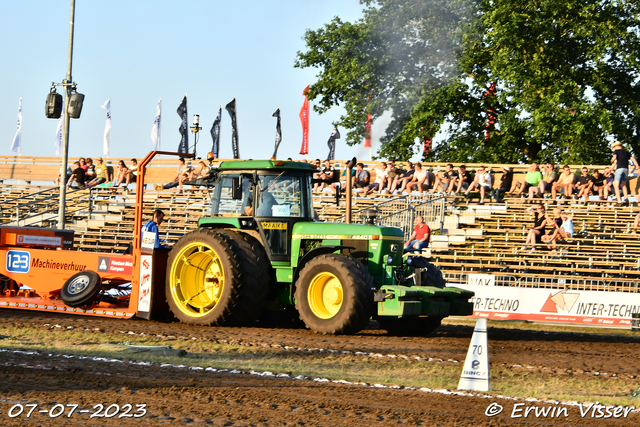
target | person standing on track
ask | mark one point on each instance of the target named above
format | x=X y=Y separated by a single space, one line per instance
x=152 y=227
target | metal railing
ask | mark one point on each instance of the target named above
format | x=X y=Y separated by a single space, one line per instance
x=401 y=212
x=565 y=282
x=42 y=211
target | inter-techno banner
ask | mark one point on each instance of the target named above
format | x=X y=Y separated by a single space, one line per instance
x=597 y=308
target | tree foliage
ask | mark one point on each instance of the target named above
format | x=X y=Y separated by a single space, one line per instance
x=565 y=74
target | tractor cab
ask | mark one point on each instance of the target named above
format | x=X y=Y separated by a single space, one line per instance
x=269 y=198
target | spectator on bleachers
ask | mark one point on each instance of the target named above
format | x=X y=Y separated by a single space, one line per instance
x=540 y=223
x=636 y=222
x=598 y=184
x=420 y=236
x=549 y=177
x=77 y=176
x=564 y=184
x=101 y=173
x=121 y=174
x=360 y=178
x=381 y=179
x=621 y=158
x=83 y=163
x=68 y=174
x=420 y=179
x=392 y=172
x=443 y=179
x=531 y=179
x=563 y=231
x=505 y=184
x=608 y=182
x=328 y=177
x=90 y=172
x=463 y=181
x=402 y=179
x=131 y=174
x=200 y=171
x=483 y=182
x=175 y=182
x=585 y=183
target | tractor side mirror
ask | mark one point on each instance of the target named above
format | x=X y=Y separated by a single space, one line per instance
x=236 y=188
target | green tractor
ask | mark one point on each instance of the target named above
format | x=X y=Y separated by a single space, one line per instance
x=261 y=255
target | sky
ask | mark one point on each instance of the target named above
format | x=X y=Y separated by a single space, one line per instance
x=137 y=52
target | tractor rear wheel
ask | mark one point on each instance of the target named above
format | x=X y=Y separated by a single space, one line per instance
x=334 y=295
x=209 y=279
x=409 y=326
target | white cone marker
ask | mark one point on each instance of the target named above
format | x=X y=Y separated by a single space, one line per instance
x=475 y=374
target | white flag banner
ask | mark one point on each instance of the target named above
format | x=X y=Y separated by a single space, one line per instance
x=15 y=146
x=155 y=130
x=107 y=128
x=58 y=141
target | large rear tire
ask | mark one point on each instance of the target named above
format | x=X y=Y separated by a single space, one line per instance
x=334 y=295
x=209 y=279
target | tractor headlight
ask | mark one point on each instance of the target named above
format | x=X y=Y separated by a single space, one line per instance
x=390 y=259
x=394 y=248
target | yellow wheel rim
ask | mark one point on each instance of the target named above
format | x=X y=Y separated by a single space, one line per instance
x=197 y=279
x=325 y=295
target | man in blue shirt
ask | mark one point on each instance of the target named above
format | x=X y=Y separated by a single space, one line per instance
x=152 y=226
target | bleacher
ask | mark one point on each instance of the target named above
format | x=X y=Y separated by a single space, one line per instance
x=472 y=238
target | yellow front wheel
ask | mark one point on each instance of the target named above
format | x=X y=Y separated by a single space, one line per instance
x=334 y=294
x=325 y=295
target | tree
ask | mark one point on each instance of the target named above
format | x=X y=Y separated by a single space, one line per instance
x=500 y=80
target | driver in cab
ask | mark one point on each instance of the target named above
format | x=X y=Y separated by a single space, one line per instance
x=266 y=200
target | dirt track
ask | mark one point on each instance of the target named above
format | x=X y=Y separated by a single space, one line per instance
x=191 y=397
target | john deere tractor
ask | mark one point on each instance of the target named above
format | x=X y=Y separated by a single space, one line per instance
x=261 y=255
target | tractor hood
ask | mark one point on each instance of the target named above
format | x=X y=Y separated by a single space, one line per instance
x=340 y=231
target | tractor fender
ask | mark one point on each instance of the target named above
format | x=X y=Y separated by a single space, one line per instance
x=322 y=250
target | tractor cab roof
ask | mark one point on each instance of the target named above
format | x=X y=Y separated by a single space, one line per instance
x=276 y=165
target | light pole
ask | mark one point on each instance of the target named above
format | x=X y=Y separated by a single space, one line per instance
x=67 y=83
x=195 y=128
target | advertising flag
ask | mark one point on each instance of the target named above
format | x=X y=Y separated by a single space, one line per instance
x=107 y=128
x=58 y=140
x=304 y=119
x=367 y=132
x=278 y=133
x=215 y=134
x=155 y=130
x=332 y=143
x=184 y=128
x=231 y=108
x=17 y=139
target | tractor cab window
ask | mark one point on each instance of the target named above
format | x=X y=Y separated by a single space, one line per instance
x=223 y=203
x=279 y=196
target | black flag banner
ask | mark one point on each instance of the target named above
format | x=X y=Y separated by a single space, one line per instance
x=278 y=134
x=184 y=128
x=332 y=143
x=231 y=108
x=215 y=134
